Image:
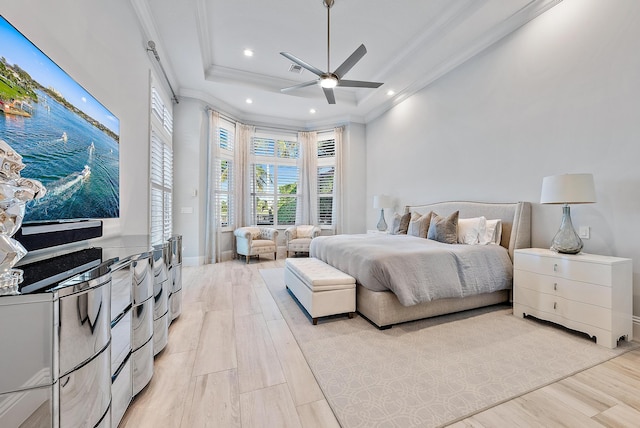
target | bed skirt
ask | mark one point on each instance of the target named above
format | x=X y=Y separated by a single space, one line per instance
x=383 y=309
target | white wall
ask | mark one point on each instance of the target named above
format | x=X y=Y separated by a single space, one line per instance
x=190 y=173
x=354 y=178
x=560 y=95
x=99 y=44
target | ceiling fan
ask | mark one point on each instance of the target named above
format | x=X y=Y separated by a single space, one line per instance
x=327 y=79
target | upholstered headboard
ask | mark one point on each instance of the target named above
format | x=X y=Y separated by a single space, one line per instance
x=516 y=218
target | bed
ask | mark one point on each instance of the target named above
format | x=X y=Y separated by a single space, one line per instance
x=382 y=263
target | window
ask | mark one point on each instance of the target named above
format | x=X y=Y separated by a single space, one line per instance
x=224 y=173
x=161 y=188
x=161 y=170
x=326 y=174
x=274 y=179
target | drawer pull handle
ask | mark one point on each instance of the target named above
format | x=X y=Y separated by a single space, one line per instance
x=555 y=305
x=555 y=286
x=555 y=267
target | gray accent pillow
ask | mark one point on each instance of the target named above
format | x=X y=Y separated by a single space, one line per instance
x=444 y=229
x=419 y=225
x=400 y=224
x=404 y=224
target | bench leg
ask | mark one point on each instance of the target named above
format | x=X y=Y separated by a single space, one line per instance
x=275 y=255
x=315 y=321
x=247 y=259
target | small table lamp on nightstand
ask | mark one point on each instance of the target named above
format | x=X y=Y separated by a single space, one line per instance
x=382 y=202
x=567 y=189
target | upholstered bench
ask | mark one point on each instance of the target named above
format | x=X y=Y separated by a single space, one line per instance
x=322 y=289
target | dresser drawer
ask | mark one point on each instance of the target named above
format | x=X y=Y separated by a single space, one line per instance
x=572 y=290
x=568 y=309
x=565 y=267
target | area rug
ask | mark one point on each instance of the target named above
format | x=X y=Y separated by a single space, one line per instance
x=431 y=372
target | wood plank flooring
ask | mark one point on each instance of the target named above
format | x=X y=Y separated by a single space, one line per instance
x=232 y=361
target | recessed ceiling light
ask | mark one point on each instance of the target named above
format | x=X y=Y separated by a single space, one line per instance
x=312 y=111
x=248 y=52
x=249 y=101
x=391 y=92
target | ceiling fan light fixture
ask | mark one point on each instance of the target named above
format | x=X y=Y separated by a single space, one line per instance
x=328 y=82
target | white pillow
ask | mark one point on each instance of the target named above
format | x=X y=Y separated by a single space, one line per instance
x=469 y=230
x=493 y=233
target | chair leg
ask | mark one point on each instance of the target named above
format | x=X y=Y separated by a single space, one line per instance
x=247 y=259
x=275 y=255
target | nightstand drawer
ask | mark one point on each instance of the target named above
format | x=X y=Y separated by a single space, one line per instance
x=584 y=292
x=564 y=267
x=568 y=309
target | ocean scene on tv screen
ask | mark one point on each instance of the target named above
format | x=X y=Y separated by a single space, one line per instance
x=67 y=139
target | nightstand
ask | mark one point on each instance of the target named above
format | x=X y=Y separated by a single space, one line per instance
x=584 y=292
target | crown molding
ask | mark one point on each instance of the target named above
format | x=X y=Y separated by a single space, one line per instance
x=264 y=120
x=204 y=36
x=149 y=30
x=264 y=82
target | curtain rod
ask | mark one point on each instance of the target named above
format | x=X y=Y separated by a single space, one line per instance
x=152 y=48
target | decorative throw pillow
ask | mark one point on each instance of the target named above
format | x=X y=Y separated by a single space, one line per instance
x=470 y=229
x=304 y=231
x=403 y=227
x=419 y=224
x=493 y=233
x=444 y=229
x=395 y=224
x=255 y=232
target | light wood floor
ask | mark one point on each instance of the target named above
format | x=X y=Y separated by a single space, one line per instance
x=232 y=361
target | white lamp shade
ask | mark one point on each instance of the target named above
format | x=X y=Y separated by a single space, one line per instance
x=568 y=189
x=382 y=201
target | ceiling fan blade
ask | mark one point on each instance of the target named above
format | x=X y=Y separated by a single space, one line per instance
x=358 y=84
x=301 y=85
x=328 y=92
x=351 y=61
x=301 y=63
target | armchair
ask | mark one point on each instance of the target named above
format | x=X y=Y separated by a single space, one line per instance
x=299 y=238
x=254 y=240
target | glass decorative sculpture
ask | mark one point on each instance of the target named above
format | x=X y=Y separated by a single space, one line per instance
x=15 y=192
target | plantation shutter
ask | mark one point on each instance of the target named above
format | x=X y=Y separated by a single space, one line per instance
x=157 y=193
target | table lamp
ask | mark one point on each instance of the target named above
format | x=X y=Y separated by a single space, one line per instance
x=567 y=189
x=382 y=202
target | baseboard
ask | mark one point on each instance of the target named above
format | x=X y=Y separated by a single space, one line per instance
x=201 y=260
x=193 y=261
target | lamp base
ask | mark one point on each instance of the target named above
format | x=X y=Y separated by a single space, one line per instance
x=566 y=240
x=382 y=225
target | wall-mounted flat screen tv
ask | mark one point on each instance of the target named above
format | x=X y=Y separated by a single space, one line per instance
x=68 y=140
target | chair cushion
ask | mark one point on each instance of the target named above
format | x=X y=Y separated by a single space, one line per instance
x=299 y=244
x=262 y=243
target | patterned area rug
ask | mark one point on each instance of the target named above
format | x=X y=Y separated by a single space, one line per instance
x=431 y=372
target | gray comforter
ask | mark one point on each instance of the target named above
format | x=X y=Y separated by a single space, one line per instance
x=415 y=269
